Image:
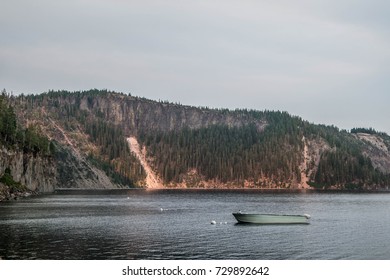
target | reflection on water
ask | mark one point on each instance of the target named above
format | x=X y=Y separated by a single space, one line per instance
x=176 y=225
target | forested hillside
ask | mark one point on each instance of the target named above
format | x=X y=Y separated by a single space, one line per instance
x=230 y=154
x=14 y=136
x=197 y=147
x=25 y=155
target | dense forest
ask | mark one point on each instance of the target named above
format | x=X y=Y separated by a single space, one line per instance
x=244 y=153
x=14 y=136
x=265 y=148
x=229 y=154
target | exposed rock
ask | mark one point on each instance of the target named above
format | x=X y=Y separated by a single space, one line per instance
x=376 y=149
x=7 y=194
x=132 y=113
x=42 y=174
x=74 y=171
x=153 y=181
x=315 y=148
x=35 y=172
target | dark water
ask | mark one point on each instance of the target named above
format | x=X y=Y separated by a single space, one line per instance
x=131 y=225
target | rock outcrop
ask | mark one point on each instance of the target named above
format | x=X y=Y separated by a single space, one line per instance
x=35 y=172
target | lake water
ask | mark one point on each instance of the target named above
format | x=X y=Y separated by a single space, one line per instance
x=172 y=224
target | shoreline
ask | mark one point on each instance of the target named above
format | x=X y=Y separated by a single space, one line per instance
x=6 y=195
x=265 y=190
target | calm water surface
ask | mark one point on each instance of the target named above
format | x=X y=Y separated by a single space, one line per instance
x=176 y=225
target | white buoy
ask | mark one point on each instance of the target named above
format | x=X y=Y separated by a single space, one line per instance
x=213 y=222
x=161 y=209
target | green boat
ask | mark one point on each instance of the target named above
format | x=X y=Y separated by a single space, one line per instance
x=271 y=218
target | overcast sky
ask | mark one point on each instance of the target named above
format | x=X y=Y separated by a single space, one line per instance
x=326 y=60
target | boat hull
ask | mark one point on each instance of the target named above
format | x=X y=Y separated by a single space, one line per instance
x=271 y=218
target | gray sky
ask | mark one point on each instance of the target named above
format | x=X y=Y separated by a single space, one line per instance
x=325 y=60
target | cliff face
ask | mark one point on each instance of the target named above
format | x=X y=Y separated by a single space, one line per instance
x=135 y=114
x=32 y=172
x=377 y=149
x=42 y=174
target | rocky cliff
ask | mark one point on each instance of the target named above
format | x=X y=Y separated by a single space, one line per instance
x=42 y=174
x=37 y=173
x=31 y=173
x=135 y=114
